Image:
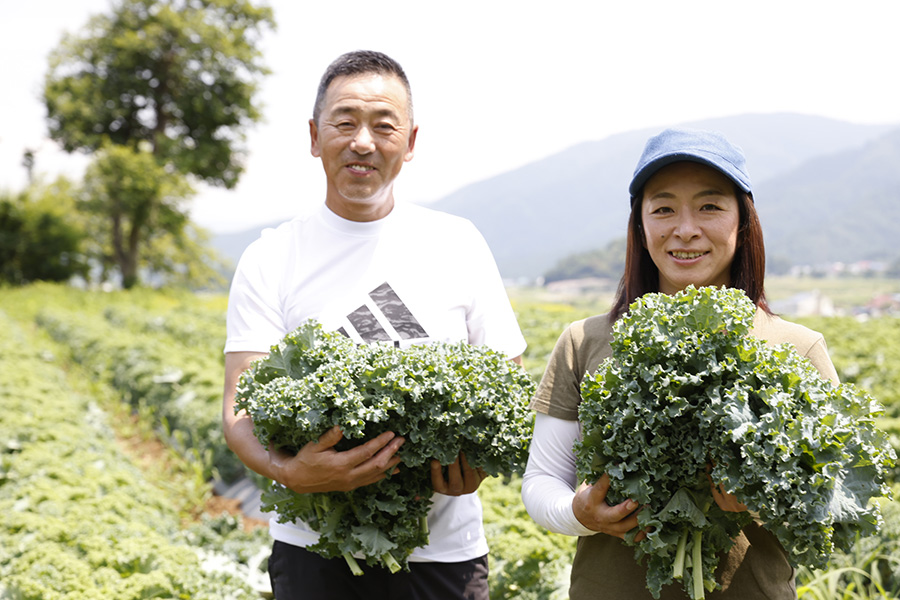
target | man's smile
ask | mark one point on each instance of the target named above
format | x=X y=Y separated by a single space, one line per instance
x=361 y=169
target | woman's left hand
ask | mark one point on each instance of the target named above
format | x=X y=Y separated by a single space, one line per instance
x=727 y=502
x=461 y=478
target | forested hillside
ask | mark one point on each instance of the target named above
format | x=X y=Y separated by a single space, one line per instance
x=843 y=207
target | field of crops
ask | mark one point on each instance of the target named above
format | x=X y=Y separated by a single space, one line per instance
x=110 y=438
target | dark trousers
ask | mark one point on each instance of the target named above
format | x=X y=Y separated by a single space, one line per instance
x=298 y=574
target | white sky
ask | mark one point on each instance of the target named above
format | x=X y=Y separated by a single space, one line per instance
x=498 y=84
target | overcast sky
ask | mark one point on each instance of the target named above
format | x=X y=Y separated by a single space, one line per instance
x=498 y=84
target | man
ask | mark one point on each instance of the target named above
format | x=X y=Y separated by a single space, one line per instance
x=374 y=271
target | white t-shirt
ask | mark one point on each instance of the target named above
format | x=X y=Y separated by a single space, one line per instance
x=416 y=276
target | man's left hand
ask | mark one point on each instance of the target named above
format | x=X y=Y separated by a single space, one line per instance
x=461 y=478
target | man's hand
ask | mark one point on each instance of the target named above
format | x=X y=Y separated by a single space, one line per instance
x=594 y=513
x=318 y=467
x=461 y=478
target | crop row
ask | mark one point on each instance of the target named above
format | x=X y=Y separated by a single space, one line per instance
x=867 y=354
x=162 y=356
x=179 y=388
x=139 y=347
x=80 y=519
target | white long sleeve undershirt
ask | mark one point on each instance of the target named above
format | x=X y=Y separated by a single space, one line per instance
x=548 y=487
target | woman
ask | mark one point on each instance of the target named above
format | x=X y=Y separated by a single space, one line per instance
x=692 y=221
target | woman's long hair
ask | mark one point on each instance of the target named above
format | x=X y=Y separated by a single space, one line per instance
x=748 y=268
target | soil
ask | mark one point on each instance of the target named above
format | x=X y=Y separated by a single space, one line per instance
x=160 y=462
x=217 y=505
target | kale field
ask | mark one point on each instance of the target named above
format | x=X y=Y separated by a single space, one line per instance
x=110 y=442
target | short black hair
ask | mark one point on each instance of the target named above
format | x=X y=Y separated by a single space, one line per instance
x=360 y=62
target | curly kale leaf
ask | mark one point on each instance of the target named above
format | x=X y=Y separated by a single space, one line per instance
x=443 y=398
x=689 y=389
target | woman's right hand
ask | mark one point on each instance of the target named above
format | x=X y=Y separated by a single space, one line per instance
x=594 y=513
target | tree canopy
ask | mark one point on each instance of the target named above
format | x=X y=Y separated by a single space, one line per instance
x=158 y=90
x=177 y=74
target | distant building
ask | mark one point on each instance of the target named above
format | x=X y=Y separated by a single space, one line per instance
x=806 y=304
x=863 y=268
x=585 y=285
x=883 y=304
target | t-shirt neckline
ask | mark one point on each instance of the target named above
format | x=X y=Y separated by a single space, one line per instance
x=358 y=228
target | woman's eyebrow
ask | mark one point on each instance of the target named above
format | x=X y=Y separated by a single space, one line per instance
x=710 y=192
x=663 y=195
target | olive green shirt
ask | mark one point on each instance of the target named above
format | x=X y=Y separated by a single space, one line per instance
x=756 y=568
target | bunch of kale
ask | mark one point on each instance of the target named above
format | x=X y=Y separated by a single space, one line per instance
x=688 y=391
x=443 y=398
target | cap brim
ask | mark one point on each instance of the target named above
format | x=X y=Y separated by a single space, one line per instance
x=640 y=178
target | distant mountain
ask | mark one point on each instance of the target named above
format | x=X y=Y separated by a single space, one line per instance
x=824 y=189
x=577 y=200
x=843 y=207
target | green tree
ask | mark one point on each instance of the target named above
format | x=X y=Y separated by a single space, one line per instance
x=131 y=200
x=607 y=262
x=186 y=260
x=171 y=79
x=39 y=239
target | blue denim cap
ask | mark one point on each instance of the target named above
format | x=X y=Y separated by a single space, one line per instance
x=705 y=147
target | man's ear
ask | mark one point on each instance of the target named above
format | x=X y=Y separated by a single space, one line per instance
x=412 y=144
x=314 y=139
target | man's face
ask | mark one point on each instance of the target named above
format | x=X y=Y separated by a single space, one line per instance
x=364 y=135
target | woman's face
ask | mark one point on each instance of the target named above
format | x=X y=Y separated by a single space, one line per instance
x=691 y=217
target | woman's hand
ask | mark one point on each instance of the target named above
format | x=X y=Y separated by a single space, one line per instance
x=727 y=502
x=594 y=513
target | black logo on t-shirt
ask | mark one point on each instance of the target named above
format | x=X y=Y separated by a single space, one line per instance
x=395 y=312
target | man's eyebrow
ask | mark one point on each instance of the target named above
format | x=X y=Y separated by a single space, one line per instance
x=347 y=109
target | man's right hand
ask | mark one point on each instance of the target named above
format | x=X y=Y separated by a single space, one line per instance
x=318 y=467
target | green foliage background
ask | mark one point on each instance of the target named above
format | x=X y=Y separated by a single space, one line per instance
x=40 y=235
x=76 y=359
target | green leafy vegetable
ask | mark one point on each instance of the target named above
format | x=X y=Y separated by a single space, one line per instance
x=443 y=398
x=688 y=389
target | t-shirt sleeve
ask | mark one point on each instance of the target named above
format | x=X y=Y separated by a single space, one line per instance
x=490 y=319
x=559 y=391
x=255 y=319
x=818 y=355
x=580 y=350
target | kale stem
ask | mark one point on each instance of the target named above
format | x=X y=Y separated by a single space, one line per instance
x=697 y=565
x=391 y=562
x=423 y=524
x=678 y=569
x=351 y=562
x=320 y=512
